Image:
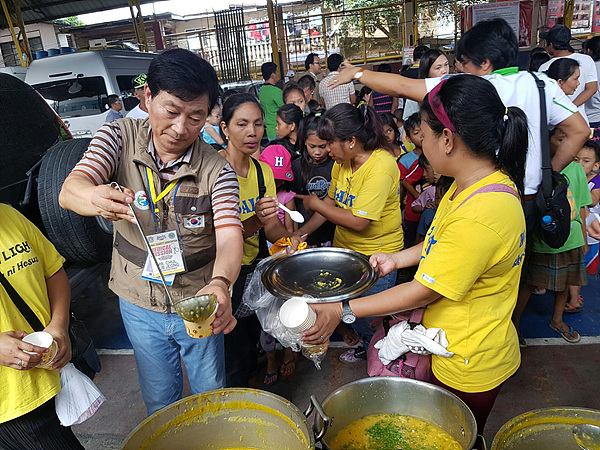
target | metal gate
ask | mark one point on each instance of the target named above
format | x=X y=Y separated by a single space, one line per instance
x=231 y=40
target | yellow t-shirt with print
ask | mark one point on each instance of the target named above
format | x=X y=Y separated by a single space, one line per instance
x=27 y=258
x=472 y=257
x=248 y=198
x=371 y=192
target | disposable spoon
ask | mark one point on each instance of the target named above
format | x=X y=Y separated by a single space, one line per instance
x=295 y=215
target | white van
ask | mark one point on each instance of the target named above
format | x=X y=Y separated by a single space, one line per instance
x=15 y=71
x=77 y=84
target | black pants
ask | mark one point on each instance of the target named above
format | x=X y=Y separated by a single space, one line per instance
x=241 y=353
x=39 y=429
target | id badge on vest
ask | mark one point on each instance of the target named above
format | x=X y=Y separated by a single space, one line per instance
x=167 y=250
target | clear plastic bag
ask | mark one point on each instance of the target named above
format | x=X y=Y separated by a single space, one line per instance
x=78 y=399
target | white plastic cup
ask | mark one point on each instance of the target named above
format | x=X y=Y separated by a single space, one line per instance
x=296 y=315
x=43 y=339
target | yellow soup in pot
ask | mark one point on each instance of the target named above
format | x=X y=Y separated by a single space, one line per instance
x=392 y=432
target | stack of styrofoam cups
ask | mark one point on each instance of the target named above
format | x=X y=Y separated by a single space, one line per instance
x=296 y=315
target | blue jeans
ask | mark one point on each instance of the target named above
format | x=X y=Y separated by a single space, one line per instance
x=159 y=340
x=361 y=326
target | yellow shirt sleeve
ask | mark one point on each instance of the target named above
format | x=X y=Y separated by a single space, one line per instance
x=373 y=195
x=469 y=243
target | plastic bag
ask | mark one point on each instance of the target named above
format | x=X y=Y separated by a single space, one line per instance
x=78 y=399
x=267 y=307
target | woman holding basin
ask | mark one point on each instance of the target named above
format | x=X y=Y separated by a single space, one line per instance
x=243 y=125
x=33 y=268
x=363 y=200
x=470 y=261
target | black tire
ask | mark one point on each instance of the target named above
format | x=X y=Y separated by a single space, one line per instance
x=85 y=240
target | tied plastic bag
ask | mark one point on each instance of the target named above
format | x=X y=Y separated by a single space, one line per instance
x=78 y=399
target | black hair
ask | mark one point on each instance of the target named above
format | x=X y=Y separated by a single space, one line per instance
x=307 y=81
x=593 y=145
x=268 y=69
x=289 y=88
x=345 y=121
x=593 y=46
x=315 y=107
x=536 y=60
x=384 y=68
x=423 y=161
x=427 y=60
x=310 y=59
x=562 y=69
x=443 y=183
x=480 y=118
x=418 y=52
x=310 y=125
x=112 y=99
x=413 y=121
x=290 y=114
x=234 y=102
x=334 y=61
x=491 y=39
x=183 y=74
x=363 y=92
x=228 y=93
x=388 y=119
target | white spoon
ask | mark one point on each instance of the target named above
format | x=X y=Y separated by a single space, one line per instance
x=295 y=215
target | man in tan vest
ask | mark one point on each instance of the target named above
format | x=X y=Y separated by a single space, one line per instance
x=186 y=196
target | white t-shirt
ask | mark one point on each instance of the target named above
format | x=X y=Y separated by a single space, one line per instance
x=592 y=106
x=588 y=74
x=520 y=90
x=137 y=113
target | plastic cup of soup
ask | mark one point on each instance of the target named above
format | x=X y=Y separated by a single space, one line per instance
x=202 y=328
x=43 y=339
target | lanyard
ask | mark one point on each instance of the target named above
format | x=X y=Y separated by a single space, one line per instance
x=154 y=198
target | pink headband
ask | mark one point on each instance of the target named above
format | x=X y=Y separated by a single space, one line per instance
x=438 y=109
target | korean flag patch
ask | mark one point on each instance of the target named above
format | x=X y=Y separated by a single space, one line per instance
x=193 y=222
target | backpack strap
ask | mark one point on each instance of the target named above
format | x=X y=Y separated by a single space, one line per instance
x=262 y=190
x=495 y=187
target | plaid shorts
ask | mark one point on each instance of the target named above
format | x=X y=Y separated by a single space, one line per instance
x=557 y=271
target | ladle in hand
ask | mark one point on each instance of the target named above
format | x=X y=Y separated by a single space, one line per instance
x=587 y=436
x=296 y=216
x=137 y=222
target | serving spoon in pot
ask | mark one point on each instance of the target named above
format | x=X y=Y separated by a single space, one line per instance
x=296 y=216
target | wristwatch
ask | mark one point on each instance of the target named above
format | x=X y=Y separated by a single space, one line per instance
x=347 y=314
x=359 y=73
x=223 y=280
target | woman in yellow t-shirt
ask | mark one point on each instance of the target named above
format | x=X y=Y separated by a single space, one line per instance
x=243 y=126
x=363 y=200
x=470 y=262
x=33 y=268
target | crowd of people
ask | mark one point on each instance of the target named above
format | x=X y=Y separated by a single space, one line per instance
x=426 y=173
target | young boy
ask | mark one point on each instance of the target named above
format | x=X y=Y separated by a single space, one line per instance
x=411 y=177
x=559 y=269
x=588 y=158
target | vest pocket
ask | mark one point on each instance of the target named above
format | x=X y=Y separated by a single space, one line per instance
x=194 y=215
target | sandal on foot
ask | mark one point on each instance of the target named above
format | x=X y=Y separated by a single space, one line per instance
x=570 y=309
x=271 y=379
x=569 y=335
x=288 y=367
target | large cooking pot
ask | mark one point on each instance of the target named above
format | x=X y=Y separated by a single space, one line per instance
x=232 y=418
x=394 y=395
x=544 y=429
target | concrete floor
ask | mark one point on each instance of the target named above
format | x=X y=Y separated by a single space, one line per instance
x=553 y=373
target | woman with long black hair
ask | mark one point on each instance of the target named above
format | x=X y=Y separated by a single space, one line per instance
x=363 y=199
x=470 y=262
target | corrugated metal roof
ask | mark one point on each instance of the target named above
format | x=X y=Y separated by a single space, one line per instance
x=43 y=10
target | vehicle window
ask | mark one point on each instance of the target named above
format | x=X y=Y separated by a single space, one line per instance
x=126 y=91
x=84 y=96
